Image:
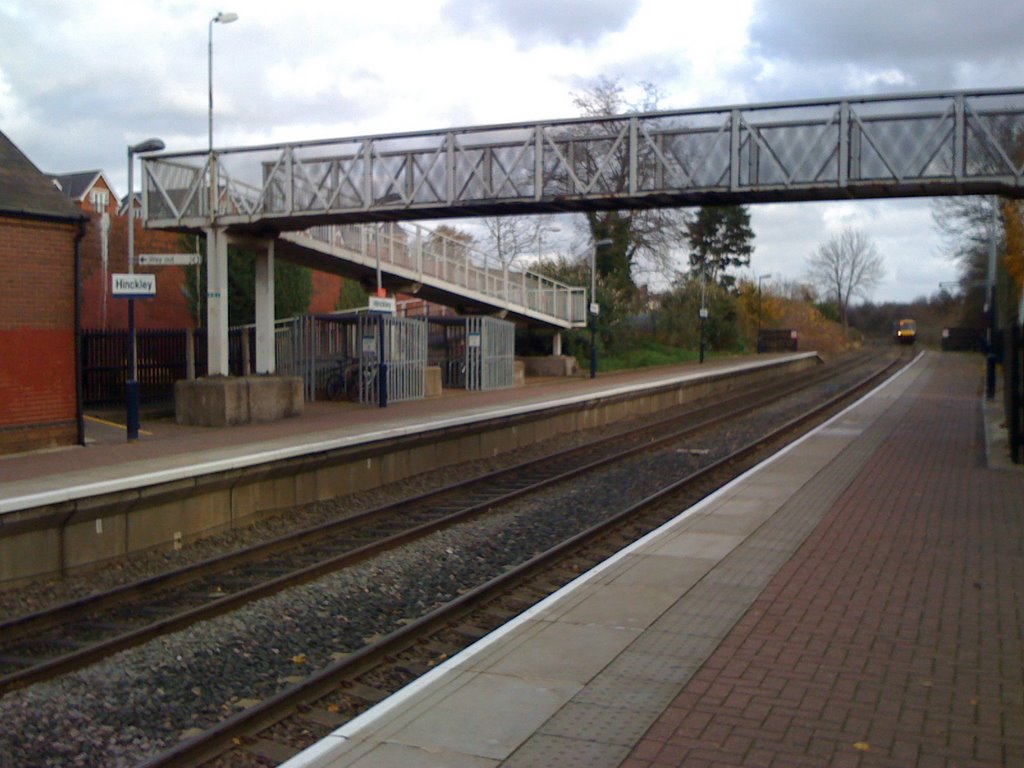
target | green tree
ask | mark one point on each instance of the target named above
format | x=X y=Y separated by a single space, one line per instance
x=616 y=310
x=352 y=296
x=720 y=238
x=678 y=316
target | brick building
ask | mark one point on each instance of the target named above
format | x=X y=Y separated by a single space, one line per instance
x=40 y=237
x=105 y=251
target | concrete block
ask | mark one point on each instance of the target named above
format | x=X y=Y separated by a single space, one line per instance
x=432 y=382
x=271 y=398
x=551 y=365
x=222 y=401
x=519 y=377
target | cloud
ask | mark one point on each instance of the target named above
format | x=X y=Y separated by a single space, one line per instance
x=915 y=260
x=533 y=22
x=878 y=44
x=81 y=81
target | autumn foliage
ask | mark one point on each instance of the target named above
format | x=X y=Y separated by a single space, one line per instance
x=815 y=331
x=1013 y=221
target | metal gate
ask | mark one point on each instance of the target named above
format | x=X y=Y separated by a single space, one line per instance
x=475 y=353
x=395 y=348
x=344 y=354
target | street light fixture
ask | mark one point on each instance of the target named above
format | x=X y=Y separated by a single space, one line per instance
x=540 y=238
x=220 y=18
x=761 y=278
x=594 y=306
x=131 y=387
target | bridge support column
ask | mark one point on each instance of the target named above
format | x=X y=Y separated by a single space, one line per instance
x=266 y=361
x=220 y=399
x=556 y=344
x=217 y=302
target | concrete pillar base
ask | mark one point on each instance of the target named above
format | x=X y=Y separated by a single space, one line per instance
x=432 y=381
x=224 y=401
x=552 y=365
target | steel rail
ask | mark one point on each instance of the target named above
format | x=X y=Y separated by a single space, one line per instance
x=232 y=732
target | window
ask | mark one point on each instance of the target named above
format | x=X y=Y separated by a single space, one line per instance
x=100 y=199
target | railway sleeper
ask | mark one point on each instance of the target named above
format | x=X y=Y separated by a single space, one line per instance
x=369 y=693
x=323 y=717
x=274 y=751
x=470 y=631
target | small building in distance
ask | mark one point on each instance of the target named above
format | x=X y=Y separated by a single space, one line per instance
x=40 y=235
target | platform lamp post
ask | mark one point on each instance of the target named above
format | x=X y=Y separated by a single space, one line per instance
x=220 y=18
x=703 y=311
x=760 y=279
x=131 y=387
x=595 y=308
x=540 y=239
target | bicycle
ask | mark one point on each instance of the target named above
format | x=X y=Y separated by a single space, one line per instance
x=343 y=383
x=349 y=378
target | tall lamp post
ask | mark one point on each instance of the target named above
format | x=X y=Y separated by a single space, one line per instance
x=540 y=239
x=131 y=387
x=703 y=311
x=220 y=18
x=760 y=279
x=595 y=308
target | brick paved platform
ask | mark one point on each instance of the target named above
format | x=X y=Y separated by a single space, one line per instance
x=893 y=636
x=853 y=601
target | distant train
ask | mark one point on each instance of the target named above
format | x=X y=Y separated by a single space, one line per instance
x=905 y=331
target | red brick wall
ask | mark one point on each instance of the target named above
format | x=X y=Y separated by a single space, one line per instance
x=326 y=291
x=100 y=310
x=37 y=334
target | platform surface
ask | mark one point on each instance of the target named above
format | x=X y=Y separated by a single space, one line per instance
x=167 y=451
x=853 y=601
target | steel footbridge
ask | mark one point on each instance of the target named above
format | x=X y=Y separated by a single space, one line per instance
x=300 y=194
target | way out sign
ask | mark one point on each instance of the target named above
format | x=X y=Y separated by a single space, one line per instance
x=133 y=286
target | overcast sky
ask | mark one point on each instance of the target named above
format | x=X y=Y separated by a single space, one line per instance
x=80 y=81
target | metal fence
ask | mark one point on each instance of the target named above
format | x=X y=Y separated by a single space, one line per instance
x=341 y=356
x=106 y=361
x=777 y=340
x=167 y=356
x=963 y=340
x=1013 y=389
x=337 y=355
x=475 y=353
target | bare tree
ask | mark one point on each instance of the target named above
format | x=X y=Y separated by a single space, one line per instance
x=847 y=265
x=642 y=240
x=509 y=238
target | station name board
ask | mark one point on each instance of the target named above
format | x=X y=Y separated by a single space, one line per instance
x=133 y=286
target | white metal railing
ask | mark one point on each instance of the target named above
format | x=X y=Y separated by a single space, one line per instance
x=425 y=255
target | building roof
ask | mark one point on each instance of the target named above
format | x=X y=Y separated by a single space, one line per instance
x=76 y=185
x=122 y=205
x=27 y=191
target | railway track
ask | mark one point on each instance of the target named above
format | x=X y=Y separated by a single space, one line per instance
x=281 y=725
x=58 y=640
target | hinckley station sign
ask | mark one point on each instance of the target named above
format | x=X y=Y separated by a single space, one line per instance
x=133 y=286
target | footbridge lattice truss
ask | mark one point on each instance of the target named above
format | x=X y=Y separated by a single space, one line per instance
x=931 y=144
